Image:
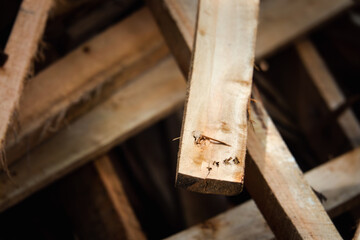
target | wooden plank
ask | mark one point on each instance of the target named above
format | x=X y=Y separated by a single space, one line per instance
x=118 y=198
x=328 y=88
x=21 y=49
x=272 y=176
x=132 y=108
x=101 y=66
x=213 y=138
x=279 y=22
x=246 y=222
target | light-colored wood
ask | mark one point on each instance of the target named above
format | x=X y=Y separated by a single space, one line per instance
x=21 y=49
x=102 y=68
x=246 y=221
x=328 y=88
x=213 y=139
x=277 y=185
x=132 y=108
x=118 y=198
x=272 y=176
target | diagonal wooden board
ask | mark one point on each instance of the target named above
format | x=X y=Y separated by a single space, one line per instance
x=338 y=180
x=105 y=67
x=213 y=139
x=21 y=49
x=144 y=100
x=272 y=176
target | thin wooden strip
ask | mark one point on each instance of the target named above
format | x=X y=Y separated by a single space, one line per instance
x=118 y=198
x=273 y=178
x=85 y=77
x=92 y=213
x=132 y=108
x=21 y=49
x=246 y=221
x=214 y=133
x=328 y=88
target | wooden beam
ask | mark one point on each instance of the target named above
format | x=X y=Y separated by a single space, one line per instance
x=328 y=88
x=102 y=66
x=107 y=213
x=272 y=176
x=213 y=139
x=21 y=49
x=246 y=222
x=140 y=103
x=118 y=198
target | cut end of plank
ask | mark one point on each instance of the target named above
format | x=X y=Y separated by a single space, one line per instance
x=208 y=185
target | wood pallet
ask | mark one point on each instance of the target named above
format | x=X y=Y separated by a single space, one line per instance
x=102 y=93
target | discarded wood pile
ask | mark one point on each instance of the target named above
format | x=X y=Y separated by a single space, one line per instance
x=251 y=108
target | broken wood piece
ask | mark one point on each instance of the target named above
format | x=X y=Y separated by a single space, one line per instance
x=337 y=179
x=21 y=48
x=215 y=119
x=102 y=66
x=328 y=88
x=143 y=101
x=273 y=177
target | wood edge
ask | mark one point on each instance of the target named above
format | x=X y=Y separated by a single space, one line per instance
x=208 y=185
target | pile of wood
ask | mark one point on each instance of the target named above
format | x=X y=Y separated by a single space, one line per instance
x=91 y=108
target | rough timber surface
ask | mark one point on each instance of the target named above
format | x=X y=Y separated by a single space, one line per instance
x=140 y=103
x=84 y=78
x=246 y=222
x=272 y=175
x=213 y=140
x=21 y=48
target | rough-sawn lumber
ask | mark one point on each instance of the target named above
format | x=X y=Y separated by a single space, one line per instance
x=338 y=180
x=214 y=133
x=272 y=176
x=21 y=48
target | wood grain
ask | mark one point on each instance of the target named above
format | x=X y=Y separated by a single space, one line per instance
x=21 y=49
x=140 y=103
x=118 y=198
x=246 y=222
x=102 y=66
x=213 y=140
x=272 y=176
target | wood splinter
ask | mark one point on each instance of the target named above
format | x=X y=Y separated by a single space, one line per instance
x=219 y=94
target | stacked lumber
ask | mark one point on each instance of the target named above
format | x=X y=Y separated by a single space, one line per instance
x=94 y=95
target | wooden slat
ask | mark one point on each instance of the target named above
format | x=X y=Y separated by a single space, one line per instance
x=102 y=65
x=132 y=108
x=213 y=139
x=21 y=49
x=97 y=207
x=246 y=222
x=118 y=198
x=272 y=177
x=328 y=88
